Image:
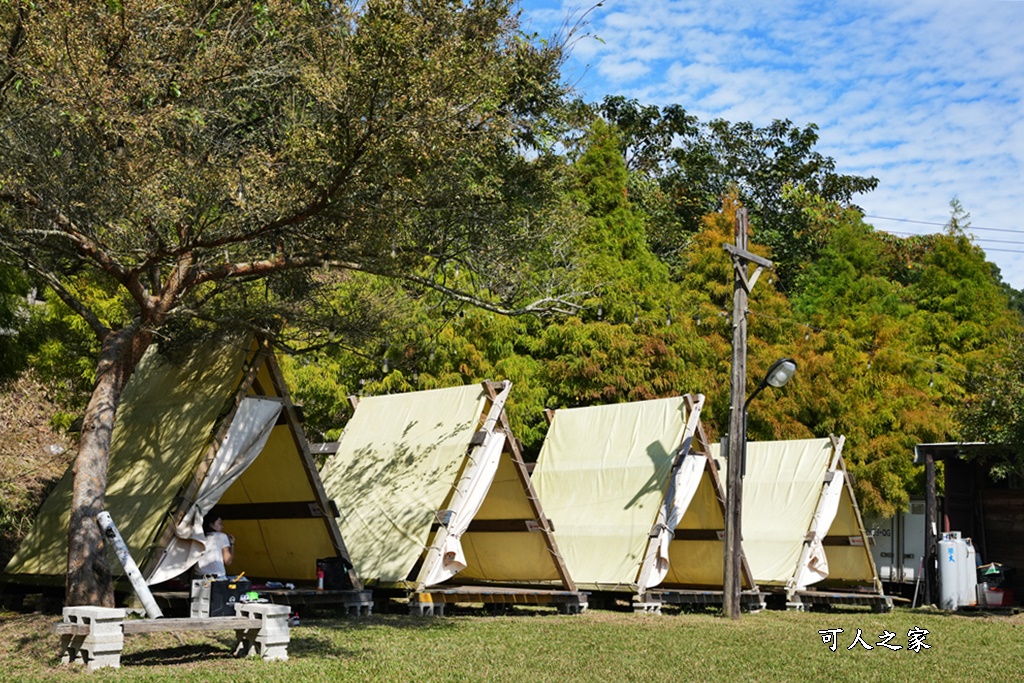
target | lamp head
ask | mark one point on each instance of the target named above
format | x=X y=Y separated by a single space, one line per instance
x=780 y=372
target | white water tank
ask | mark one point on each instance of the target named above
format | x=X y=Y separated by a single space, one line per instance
x=949 y=561
x=969 y=574
x=958 y=571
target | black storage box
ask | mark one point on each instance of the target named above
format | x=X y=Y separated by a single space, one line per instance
x=336 y=576
x=224 y=593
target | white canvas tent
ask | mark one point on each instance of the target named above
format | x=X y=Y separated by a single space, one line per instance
x=440 y=502
x=215 y=427
x=638 y=505
x=802 y=530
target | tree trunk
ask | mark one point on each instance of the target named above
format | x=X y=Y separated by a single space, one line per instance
x=89 y=579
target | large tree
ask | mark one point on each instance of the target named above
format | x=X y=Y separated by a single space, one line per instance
x=180 y=152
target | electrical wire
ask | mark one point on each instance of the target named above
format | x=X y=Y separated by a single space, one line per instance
x=943 y=225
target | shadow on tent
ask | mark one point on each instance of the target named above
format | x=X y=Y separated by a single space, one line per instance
x=638 y=504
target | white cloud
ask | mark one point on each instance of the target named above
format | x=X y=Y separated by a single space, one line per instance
x=924 y=94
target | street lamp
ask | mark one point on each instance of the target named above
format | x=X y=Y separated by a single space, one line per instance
x=778 y=374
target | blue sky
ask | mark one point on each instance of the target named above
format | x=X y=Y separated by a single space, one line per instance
x=926 y=95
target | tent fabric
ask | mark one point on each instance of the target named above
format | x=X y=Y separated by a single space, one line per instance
x=781 y=489
x=789 y=497
x=397 y=460
x=601 y=476
x=421 y=471
x=446 y=558
x=696 y=563
x=849 y=564
x=176 y=411
x=167 y=413
x=517 y=557
x=245 y=440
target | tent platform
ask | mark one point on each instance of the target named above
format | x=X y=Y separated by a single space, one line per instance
x=811 y=599
x=19 y=597
x=432 y=601
x=355 y=603
x=652 y=600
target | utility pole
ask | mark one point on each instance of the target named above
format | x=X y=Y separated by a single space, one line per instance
x=741 y=258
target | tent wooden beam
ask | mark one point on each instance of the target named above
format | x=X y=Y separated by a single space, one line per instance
x=499 y=526
x=308 y=464
x=546 y=528
x=306 y=509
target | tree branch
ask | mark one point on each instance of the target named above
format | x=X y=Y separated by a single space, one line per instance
x=543 y=306
x=252 y=269
x=99 y=329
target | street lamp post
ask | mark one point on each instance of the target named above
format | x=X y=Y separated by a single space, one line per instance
x=778 y=374
x=743 y=283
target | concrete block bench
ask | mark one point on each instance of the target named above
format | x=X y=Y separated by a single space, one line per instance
x=94 y=636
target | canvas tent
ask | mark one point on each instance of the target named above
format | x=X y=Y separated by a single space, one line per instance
x=440 y=502
x=638 y=504
x=215 y=427
x=802 y=530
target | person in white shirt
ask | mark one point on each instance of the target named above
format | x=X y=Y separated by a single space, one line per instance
x=220 y=548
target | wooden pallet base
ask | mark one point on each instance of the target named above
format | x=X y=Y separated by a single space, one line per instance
x=802 y=600
x=356 y=603
x=432 y=601
x=753 y=601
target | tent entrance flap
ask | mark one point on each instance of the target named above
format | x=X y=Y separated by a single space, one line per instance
x=813 y=565
x=250 y=429
x=445 y=558
x=682 y=486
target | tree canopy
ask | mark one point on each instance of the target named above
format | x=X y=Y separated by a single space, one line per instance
x=180 y=153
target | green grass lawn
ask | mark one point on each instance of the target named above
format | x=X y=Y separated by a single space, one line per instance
x=543 y=646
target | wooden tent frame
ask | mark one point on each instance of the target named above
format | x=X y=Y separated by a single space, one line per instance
x=321 y=506
x=432 y=600
x=651 y=600
x=799 y=598
x=260 y=358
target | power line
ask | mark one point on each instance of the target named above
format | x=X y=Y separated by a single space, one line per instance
x=976 y=239
x=943 y=225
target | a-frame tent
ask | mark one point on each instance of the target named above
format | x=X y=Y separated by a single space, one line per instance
x=213 y=427
x=638 y=504
x=802 y=530
x=440 y=506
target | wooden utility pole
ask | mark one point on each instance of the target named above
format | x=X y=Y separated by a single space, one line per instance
x=741 y=257
x=931 y=527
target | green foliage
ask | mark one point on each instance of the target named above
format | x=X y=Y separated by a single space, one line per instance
x=611 y=248
x=256 y=142
x=994 y=410
x=13 y=288
x=696 y=165
x=898 y=325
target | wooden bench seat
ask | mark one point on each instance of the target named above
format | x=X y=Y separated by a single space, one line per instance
x=94 y=636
